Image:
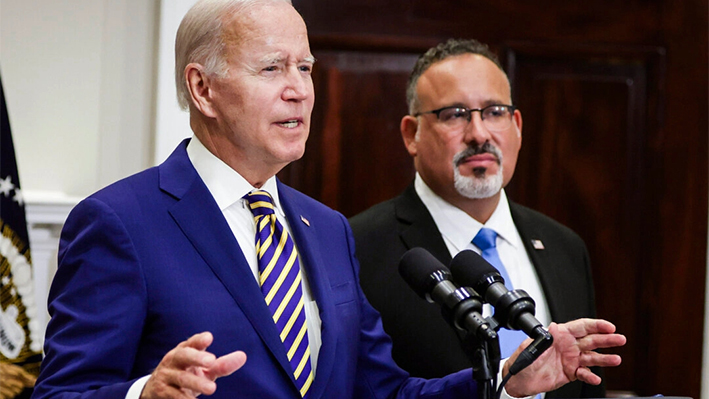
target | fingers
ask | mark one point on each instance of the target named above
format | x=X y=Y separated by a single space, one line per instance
x=199 y=341
x=185 y=357
x=583 y=327
x=188 y=382
x=188 y=370
x=226 y=365
x=591 y=334
x=590 y=359
x=597 y=341
x=587 y=376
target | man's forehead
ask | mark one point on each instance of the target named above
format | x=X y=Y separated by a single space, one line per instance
x=471 y=75
x=267 y=26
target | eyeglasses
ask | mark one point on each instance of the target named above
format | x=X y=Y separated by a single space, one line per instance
x=495 y=117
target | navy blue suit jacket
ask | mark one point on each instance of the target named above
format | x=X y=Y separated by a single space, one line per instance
x=150 y=260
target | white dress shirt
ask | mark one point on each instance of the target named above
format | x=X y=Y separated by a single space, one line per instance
x=228 y=189
x=458 y=230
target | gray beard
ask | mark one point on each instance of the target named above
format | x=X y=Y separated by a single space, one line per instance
x=474 y=187
x=477 y=186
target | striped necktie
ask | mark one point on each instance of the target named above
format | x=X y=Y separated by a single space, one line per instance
x=280 y=280
x=486 y=240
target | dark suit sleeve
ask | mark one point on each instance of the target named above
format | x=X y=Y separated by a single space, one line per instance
x=96 y=303
x=377 y=375
x=424 y=344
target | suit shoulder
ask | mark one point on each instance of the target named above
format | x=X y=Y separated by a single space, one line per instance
x=525 y=217
x=140 y=179
x=374 y=218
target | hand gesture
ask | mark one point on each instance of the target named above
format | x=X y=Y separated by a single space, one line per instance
x=568 y=359
x=188 y=370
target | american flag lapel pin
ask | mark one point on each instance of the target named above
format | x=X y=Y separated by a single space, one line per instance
x=307 y=223
x=538 y=244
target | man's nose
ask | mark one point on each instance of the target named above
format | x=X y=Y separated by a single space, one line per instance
x=475 y=131
x=296 y=85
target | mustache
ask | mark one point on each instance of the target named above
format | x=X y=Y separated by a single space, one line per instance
x=475 y=149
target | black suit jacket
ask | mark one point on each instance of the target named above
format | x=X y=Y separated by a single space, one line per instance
x=424 y=344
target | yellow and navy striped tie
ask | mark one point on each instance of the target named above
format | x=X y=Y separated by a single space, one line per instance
x=280 y=280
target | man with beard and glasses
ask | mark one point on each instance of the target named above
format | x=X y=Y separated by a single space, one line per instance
x=464 y=135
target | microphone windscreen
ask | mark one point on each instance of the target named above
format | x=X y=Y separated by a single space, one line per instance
x=471 y=270
x=418 y=268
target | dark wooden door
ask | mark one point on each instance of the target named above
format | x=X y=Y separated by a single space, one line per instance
x=614 y=99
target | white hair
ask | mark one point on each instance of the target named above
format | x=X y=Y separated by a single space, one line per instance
x=199 y=40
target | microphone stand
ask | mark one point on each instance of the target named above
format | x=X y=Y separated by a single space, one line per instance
x=485 y=357
x=481 y=348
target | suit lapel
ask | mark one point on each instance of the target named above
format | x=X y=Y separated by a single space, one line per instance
x=541 y=259
x=417 y=226
x=304 y=229
x=200 y=219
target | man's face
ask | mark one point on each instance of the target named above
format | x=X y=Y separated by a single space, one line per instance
x=263 y=104
x=471 y=161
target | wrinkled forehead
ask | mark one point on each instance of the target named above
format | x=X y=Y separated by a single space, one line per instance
x=265 y=21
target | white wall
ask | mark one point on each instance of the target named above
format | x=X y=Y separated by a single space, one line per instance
x=85 y=103
x=79 y=80
x=172 y=124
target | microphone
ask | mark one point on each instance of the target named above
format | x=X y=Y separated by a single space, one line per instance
x=513 y=309
x=432 y=281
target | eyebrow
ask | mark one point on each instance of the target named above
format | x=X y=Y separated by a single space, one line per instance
x=271 y=59
x=484 y=104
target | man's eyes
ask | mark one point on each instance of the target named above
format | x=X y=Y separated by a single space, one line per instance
x=275 y=68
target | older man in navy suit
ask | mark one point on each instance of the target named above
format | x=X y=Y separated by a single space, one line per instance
x=169 y=279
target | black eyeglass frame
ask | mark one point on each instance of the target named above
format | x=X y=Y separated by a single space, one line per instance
x=437 y=112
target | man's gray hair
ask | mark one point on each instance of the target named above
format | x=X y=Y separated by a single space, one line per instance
x=199 y=39
x=450 y=48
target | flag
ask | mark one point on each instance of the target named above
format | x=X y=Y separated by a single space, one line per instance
x=20 y=336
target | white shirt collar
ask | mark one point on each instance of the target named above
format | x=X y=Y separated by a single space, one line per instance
x=457 y=227
x=226 y=185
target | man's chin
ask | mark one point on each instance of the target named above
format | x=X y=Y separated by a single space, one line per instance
x=478 y=187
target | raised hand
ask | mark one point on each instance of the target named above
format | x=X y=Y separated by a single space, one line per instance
x=568 y=359
x=188 y=370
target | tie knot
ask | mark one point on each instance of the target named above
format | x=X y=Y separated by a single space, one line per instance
x=260 y=203
x=485 y=239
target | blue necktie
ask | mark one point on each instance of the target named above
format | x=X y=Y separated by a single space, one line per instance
x=486 y=240
x=280 y=280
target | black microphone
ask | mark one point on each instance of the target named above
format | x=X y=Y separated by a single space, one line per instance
x=432 y=281
x=513 y=309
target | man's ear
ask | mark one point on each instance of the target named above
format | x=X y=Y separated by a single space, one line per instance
x=517 y=119
x=409 y=127
x=199 y=86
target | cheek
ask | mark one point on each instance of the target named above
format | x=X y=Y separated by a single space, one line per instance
x=440 y=154
x=510 y=162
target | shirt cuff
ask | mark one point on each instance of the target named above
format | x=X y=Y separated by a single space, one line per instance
x=137 y=388
x=504 y=394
